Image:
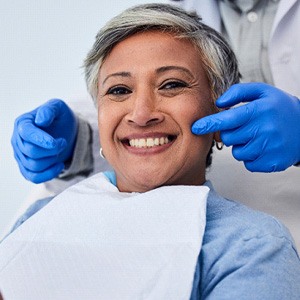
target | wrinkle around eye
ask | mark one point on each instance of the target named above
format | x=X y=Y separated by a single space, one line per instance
x=173 y=88
x=173 y=84
x=118 y=93
x=118 y=90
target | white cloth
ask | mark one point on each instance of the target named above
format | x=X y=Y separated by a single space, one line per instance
x=93 y=242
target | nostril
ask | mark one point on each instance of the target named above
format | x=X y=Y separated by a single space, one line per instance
x=153 y=120
x=144 y=120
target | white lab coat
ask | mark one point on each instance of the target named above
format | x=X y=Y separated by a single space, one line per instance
x=284 y=44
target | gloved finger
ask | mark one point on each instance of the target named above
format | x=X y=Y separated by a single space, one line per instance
x=18 y=124
x=224 y=120
x=247 y=152
x=39 y=177
x=262 y=164
x=238 y=136
x=37 y=165
x=35 y=152
x=241 y=92
x=46 y=175
x=33 y=134
x=46 y=113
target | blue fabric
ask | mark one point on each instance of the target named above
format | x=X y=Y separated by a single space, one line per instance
x=245 y=254
x=111 y=176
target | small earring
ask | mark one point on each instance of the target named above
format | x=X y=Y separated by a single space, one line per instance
x=101 y=153
x=219 y=145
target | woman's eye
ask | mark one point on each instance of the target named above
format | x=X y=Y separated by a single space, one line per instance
x=172 y=88
x=119 y=90
x=118 y=93
x=173 y=85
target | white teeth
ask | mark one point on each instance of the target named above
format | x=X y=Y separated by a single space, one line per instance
x=148 y=142
x=142 y=143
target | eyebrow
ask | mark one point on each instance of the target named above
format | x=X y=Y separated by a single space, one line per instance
x=118 y=74
x=158 y=71
x=170 y=68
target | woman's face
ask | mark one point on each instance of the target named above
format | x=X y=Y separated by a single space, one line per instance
x=152 y=87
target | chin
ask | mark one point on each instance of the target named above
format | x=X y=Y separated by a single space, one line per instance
x=146 y=182
x=148 y=186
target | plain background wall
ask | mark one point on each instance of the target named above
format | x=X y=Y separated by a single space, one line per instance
x=43 y=43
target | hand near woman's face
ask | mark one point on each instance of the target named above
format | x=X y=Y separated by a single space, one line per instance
x=152 y=87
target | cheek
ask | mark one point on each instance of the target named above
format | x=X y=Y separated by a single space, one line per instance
x=198 y=150
x=189 y=114
x=101 y=117
x=198 y=141
x=105 y=123
x=110 y=117
x=195 y=111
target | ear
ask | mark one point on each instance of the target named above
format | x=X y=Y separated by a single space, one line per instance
x=217 y=137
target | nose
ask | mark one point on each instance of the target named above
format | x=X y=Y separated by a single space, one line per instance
x=144 y=110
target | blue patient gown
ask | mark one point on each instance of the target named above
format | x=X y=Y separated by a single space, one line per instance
x=245 y=254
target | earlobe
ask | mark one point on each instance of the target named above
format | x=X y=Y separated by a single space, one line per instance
x=217 y=137
x=218 y=140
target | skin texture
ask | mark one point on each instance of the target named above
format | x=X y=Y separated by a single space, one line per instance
x=152 y=85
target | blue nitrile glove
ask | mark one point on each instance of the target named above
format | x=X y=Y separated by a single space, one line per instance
x=44 y=139
x=264 y=133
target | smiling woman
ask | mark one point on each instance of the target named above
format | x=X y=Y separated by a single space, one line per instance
x=154 y=228
x=150 y=94
x=139 y=69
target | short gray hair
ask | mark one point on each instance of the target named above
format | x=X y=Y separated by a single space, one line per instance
x=218 y=59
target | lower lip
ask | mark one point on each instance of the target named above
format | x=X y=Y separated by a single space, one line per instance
x=148 y=151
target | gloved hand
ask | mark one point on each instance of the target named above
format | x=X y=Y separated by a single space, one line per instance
x=264 y=133
x=44 y=139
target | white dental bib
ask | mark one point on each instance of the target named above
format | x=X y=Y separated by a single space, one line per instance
x=93 y=242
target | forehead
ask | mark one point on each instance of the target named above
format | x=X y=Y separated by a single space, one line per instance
x=152 y=49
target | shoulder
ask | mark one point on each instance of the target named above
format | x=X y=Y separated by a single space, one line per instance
x=91 y=185
x=231 y=217
x=30 y=211
x=243 y=248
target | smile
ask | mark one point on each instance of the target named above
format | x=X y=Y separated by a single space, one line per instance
x=149 y=142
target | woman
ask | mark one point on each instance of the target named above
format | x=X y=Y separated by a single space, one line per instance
x=152 y=72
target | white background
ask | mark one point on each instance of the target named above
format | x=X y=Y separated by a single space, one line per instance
x=43 y=44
